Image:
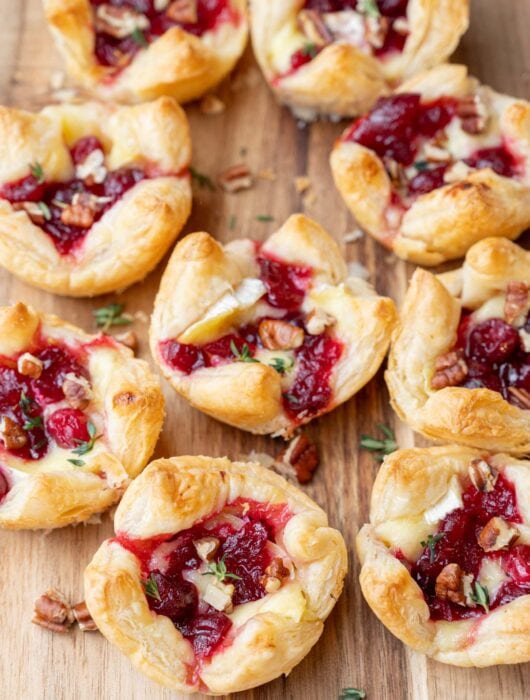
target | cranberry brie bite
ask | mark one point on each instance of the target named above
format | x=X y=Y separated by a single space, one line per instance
x=446 y=556
x=336 y=57
x=136 y=50
x=79 y=417
x=437 y=166
x=268 y=336
x=459 y=365
x=220 y=575
x=91 y=195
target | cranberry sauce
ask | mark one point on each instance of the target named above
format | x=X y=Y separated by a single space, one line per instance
x=396 y=125
x=116 y=51
x=498 y=159
x=495 y=356
x=242 y=533
x=23 y=399
x=4 y=486
x=456 y=543
x=286 y=284
x=52 y=198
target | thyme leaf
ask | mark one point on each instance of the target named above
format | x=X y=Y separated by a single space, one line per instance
x=111 y=315
x=243 y=355
x=380 y=448
x=219 y=570
x=151 y=588
x=202 y=180
x=431 y=542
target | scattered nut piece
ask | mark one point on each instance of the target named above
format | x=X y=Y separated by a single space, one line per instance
x=206 y=547
x=275 y=574
x=467 y=590
x=219 y=596
x=280 y=335
x=32 y=209
x=517 y=301
x=310 y=198
x=302 y=183
x=77 y=391
x=318 y=320
x=483 y=476
x=497 y=534
x=211 y=105
x=184 y=11
x=450 y=585
x=119 y=22
x=127 y=338
x=473 y=114
x=521 y=396
x=302 y=456
x=29 y=365
x=312 y=25
x=450 y=370
x=353 y=236
x=53 y=612
x=84 y=618
x=13 y=435
x=267 y=174
x=236 y=178
x=78 y=215
x=92 y=169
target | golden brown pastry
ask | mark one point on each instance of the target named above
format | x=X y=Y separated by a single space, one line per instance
x=437 y=166
x=446 y=556
x=91 y=195
x=336 y=57
x=79 y=417
x=220 y=575
x=459 y=365
x=267 y=337
x=136 y=50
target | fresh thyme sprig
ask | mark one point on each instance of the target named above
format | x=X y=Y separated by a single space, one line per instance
x=85 y=446
x=37 y=171
x=481 y=597
x=151 y=588
x=431 y=542
x=219 y=570
x=32 y=422
x=310 y=49
x=111 y=315
x=202 y=180
x=139 y=37
x=45 y=210
x=380 y=448
x=264 y=217
x=242 y=355
x=352 y=694
x=368 y=8
x=281 y=364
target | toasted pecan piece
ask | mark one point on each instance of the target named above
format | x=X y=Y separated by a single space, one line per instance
x=497 y=534
x=450 y=370
x=517 y=300
x=29 y=365
x=13 y=435
x=302 y=456
x=483 y=476
x=53 y=611
x=280 y=335
x=77 y=391
x=183 y=11
x=236 y=178
x=473 y=114
x=450 y=584
x=84 y=618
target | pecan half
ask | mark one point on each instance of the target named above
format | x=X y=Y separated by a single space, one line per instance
x=53 y=611
x=275 y=574
x=313 y=26
x=29 y=365
x=473 y=114
x=119 y=22
x=183 y=11
x=497 y=534
x=302 y=456
x=517 y=300
x=280 y=335
x=207 y=547
x=77 y=391
x=318 y=320
x=84 y=618
x=450 y=370
x=450 y=584
x=236 y=178
x=520 y=396
x=483 y=476
x=13 y=435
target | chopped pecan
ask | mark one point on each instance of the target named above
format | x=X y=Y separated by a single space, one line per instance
x=53 y=612
x=80 y=215
x=473 y=114
x=29 y=365
x=274 y=576
x=483 y=476
x=302 y=455
x=77 y=391
x=92 y=169
x=517 y=300
x=211 y=105
x=84 y=618
x=497 y=534
x=318 y=320
x=13 y=435
x=183 y=11
x=206 y=547
x=520 y=396
x=450 y=370
x=127 y=338
x=236 y=178
x=312 y=25
x=219 y=596
x=302 y=183
x=376 y=31
x=280 y=335
x=119 y=22
x=450 y=584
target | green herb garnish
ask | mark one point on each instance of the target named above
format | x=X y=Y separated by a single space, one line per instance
x=380 y=447
x=352 y=694
x=32 y=422
x=76 y=462
x=481 y=597
x=310 y=50
x=292 y=398
x=282 y=365
x=151 y=588
x=201 y=179
x=111 y=315
x=37 y=171
x=139 y=37
x=232 y=222
x=368 y=8
x=45 y=210
x=25 y=402
x=85 y=446
x=421 y=165
x=430 y=542
x=219 y=570
x=243 y=355
x=264 y=217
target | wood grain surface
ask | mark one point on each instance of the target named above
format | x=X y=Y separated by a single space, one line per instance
x=355 y=649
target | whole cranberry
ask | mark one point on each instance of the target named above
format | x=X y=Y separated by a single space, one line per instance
x=427 y=181
x=68 y=427
x=393 y=8
x=178 y=598
x=493 y=340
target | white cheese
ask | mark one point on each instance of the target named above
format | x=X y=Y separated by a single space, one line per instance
x=449 y=502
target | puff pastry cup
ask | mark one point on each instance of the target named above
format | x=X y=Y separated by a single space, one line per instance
x=268 y=336
x=91 y=195
x=437 y=166
x=79 y=418
x=220 y=576
x=336 y=57
x=459 y=364
x=139 y=50
x=446 y=555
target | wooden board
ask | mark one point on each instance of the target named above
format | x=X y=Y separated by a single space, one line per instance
x=355 y=649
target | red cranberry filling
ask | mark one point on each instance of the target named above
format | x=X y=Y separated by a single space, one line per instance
x=243 y=548
x=494 y=356
x=112 y=51
x=456 y=543
x=498 y=159
x=4 y=486
x=52 y=197
x=286 y=284
x=22 y=399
